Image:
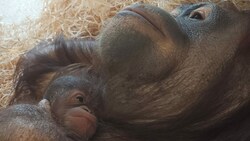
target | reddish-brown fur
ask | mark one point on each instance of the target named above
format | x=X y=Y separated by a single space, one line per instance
x=179 y=77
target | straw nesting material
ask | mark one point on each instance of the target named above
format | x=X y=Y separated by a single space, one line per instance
x=78 y=18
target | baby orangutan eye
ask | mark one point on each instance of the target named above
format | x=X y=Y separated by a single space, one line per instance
x=80 y=98
x=77 y=98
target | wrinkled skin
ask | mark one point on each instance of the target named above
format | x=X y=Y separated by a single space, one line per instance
x=185 y=75
x=176 y=65
x=180 y=76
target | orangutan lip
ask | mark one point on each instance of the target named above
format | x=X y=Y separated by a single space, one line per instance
x=144 y=16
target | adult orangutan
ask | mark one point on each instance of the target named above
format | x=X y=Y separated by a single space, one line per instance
x=180 y=76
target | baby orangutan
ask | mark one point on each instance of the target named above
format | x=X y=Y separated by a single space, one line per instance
x=65 y=113
x=69 y=102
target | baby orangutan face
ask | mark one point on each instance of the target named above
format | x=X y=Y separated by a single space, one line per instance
x=76 y=116
x=69 y=105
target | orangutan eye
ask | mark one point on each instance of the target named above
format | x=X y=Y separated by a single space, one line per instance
x=201 y=13
x=197 y=15
x=77 y=98
x=80 y=99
